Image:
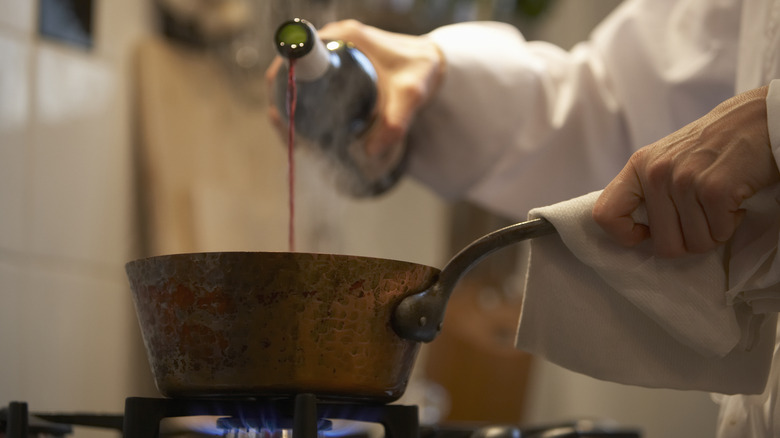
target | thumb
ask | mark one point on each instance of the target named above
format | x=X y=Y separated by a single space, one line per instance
x=614 y=207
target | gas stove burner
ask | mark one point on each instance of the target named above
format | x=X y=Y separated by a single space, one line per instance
x=304 y=416
x=255 y=433
x=253 y=424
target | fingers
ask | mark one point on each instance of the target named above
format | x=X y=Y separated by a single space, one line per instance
x=614 y=207
x=671 y=191
x=271 y=72
x=677 y=222
x=276 y=120
x=665 y=230
x=404 y=97
x=353 y=31
x=704 y=204
x=723 y=211
x=692 y=196
x=409 y=68
x=693 y=232
x=274 y=116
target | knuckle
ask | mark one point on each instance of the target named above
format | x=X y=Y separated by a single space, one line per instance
x=352 y=24
x=712 y=195
x=657 y=173
x=389 y=127
x=683 y=181
x=393 y=129
x=412 y=91
x=684 y=178
x=599 y=215
x=715 y=193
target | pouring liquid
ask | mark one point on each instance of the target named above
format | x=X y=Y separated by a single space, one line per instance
x=291 y=99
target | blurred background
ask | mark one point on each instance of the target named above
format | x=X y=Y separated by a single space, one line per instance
x=137 y=128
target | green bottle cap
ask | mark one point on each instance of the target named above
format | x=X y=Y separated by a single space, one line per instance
x=295 y=38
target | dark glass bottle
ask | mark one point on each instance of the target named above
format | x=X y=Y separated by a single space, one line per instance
x=336 y=99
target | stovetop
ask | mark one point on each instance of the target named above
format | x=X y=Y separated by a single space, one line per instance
x=302 y=417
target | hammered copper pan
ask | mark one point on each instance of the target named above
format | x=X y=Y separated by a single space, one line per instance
x=277 y=324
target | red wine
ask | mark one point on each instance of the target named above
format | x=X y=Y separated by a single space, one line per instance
x=291 y=100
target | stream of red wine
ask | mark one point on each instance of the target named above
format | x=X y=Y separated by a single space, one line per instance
x=291 y=97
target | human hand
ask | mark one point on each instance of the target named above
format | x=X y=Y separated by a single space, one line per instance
x=693 y=181
x=409 y=69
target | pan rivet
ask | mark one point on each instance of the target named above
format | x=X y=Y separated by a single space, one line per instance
x=423 y=321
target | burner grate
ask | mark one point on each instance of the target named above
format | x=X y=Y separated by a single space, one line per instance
x=301 y=417
x=143 y=415
x=17 y=423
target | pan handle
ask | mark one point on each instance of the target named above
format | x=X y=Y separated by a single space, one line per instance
x=419 y=317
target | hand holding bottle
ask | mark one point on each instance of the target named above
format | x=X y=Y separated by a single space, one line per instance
x=408 y=70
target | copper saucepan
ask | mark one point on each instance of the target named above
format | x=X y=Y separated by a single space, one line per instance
x=276 y=324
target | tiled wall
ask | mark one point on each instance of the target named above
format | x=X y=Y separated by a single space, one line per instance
x=66 y=211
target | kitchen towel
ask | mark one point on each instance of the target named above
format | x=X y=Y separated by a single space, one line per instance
x=702 y=322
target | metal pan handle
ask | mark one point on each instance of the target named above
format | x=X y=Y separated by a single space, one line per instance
x=419 y=317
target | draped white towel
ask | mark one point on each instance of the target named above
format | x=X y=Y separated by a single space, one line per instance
x=704 y=322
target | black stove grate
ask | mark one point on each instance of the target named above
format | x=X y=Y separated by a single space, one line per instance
x=304 y=415
x=17 y=422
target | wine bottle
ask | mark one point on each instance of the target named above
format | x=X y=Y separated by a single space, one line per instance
x=336 y=97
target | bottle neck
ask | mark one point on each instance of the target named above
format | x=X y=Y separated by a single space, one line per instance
x=314 y=64
x=297 y=40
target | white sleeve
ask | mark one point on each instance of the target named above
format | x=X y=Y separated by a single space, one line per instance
x=519 y=124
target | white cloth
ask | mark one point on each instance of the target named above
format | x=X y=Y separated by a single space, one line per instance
x=624 y=315
x=752 y=415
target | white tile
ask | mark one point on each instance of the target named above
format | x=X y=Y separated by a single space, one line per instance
x=71 y=84
x=14 y=123
x=75 y=351
x=18 y=15
x=81 y=167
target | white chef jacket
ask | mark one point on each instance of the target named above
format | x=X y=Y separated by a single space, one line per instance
x=518 y=124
